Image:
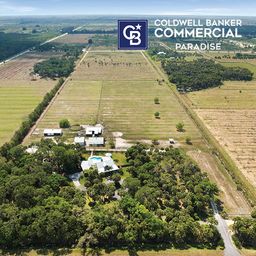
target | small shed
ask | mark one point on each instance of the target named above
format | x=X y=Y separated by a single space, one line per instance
x=52 y=132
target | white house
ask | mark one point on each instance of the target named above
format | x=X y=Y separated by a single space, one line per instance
x=103 y=164
x=95 y=141
x=52 y=132
x=79 y=140
x=93 y=130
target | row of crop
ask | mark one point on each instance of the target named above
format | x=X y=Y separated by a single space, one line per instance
x=27 y=124
x=242 y=183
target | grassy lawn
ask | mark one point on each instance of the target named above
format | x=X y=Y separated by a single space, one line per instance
x=168 y=252
x=17 y=99
x=129 y=107
x=119 y=158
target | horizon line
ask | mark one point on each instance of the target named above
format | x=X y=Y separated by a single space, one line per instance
x=72 y=15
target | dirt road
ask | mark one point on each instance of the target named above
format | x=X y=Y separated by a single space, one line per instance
x=233 y=199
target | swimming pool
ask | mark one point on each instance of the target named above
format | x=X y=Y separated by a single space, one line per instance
x=96 y=158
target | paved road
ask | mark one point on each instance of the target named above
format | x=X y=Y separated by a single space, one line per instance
x=230 y=249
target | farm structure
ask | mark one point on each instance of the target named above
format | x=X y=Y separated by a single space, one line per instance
x=52 y=132
x=117 y=90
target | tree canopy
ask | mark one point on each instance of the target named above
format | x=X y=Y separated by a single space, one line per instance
x=202 y=74
x=161 y=200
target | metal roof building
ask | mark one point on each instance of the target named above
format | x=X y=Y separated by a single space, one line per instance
x=95 y=141
x=52 y=132
x=93 y=130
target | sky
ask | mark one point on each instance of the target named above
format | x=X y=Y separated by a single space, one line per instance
x=124 y=7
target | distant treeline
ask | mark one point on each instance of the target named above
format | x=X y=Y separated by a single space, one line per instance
x=248 y=31
x=14 y=43
x=68 y=49
x=67 y=29
x=55 y=67
x=161 y=52
x=244 y=56
x=202 y=73
x=94 y=31
x=70 y=30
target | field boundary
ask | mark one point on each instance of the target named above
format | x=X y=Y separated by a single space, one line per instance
x=99 y=105
x=224 y=157
x=51 y=102
x=227 y=162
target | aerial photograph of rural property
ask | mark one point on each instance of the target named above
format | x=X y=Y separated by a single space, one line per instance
x=128 y=128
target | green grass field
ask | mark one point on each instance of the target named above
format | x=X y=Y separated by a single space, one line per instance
x=233 y=94
x=117 y=89
x=111 y=66
x=78 y=102
x=129 y=107
x=17 y=100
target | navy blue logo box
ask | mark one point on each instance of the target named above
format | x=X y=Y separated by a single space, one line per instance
x=132 y=34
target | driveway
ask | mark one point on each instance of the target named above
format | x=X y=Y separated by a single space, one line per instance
x=230 y=249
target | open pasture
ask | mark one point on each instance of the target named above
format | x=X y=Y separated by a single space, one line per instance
x=21 y=68
x=129 y=107
x=74 y=39
x=117 y=89
x=235 y=131
x=110 y=66
x=20 y=91
x=78 y=101
x=17 y=100
x=233 y=94
x=229 y=113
